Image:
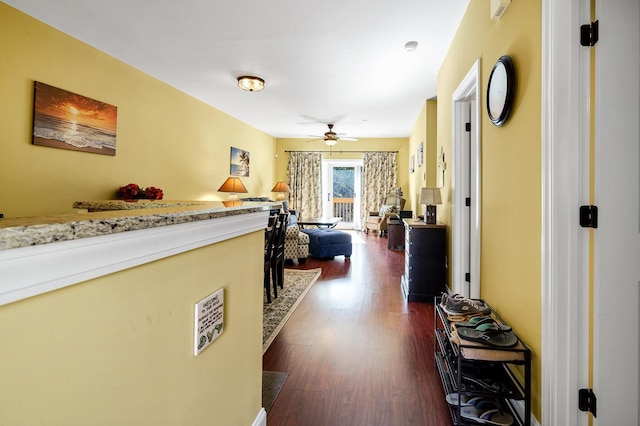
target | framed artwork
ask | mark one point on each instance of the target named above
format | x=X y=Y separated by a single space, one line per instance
x=239 y=162
x=412 y=164
x=420 y=153
x=63 y=119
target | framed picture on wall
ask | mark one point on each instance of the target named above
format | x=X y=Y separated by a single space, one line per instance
x=239 y=162
x=420 y=153
x=412 y=164
x=63 y=119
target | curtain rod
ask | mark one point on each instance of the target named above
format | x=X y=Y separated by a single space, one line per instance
x=340 y=152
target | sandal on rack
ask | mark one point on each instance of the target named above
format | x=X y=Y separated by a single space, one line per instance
x=464 y=400
x=477 y=321
x=489 y=334
x=492 y=416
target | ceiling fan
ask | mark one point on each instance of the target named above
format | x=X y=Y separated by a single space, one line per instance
x=331 y=138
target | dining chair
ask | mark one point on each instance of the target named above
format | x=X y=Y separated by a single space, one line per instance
x=277 y=256
x=269 y=237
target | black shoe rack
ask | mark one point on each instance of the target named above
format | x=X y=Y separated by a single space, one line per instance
x=474 y=369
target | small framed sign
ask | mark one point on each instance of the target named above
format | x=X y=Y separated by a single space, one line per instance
x=208 y=321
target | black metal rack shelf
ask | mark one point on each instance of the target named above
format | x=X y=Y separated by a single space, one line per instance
x=457 y=362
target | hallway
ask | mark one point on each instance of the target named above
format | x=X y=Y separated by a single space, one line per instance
x=356 y=352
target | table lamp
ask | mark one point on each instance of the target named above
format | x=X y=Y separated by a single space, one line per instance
x=430 y=197
x=233 y=185
x=281 y=188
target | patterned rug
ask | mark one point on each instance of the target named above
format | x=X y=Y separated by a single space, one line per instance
x=272 y=382
x=297 y=283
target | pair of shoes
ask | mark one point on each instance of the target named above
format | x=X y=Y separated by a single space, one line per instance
x=457 y=304
x=491 y=334
x=487 y=413
x=476 y=322
x=471 y=401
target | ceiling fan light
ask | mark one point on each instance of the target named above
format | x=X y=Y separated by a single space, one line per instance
x=330 y=142
x=250 y=83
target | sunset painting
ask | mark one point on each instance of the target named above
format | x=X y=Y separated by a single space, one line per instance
x=66 y=120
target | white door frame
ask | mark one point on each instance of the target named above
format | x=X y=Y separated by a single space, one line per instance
x=565 y=180
x=467 y=93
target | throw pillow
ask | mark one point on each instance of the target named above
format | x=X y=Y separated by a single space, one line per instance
x=387 y=209
x=293 y=219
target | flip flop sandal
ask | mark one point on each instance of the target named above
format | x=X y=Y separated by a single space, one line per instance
x=477 y=321
x=468 y=401
x=479 y=402
x=489 y=417
x=489 y=334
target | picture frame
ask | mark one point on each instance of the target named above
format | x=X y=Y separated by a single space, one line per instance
x=412 y=164
x=63 y=119
x=420 y=153
x=239 y=162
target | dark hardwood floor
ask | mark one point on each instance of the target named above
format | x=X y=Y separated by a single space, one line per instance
x=355 y=351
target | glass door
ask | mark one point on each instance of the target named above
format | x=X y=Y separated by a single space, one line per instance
x=342 y=186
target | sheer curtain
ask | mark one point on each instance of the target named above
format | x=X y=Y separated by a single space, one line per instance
x=379 y=177
x=304 y=173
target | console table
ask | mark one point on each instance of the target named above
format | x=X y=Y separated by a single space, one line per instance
x=425 y=261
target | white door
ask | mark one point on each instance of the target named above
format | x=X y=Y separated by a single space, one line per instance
x=617 y=193
x=465 y=183
x=345 y=177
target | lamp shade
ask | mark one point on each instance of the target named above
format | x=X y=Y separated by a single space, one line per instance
x=430 y=196
x=281 y=187
x=233 y=185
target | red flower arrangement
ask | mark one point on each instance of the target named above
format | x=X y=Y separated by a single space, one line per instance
x=132 y=192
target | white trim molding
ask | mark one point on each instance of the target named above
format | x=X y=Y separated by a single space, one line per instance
x=564 y=296
x=261 y=419
x=33 y=270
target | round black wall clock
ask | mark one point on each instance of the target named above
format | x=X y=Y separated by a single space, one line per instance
x=500 y=90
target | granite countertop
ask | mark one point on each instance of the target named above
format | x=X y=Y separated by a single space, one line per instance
x=113 y=216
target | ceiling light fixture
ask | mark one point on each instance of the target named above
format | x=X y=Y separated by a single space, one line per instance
x=411 y=46
x=250 y=83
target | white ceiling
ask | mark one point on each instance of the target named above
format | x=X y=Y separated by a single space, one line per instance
x=339 y=61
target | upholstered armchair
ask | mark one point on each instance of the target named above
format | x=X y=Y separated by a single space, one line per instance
x=377 y=221
x=296 y=243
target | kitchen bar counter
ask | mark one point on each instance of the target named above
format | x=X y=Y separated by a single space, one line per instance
x=45 y=253
x=112 y=217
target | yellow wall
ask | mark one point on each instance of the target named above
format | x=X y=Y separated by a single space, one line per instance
x=370 y=144
x=425 y=132
x=164 y=137
x=511 y=164
x=118 y=350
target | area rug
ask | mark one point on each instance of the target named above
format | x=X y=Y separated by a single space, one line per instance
x=272 y=382
x=297 y=283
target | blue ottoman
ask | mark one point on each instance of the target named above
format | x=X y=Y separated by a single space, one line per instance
x=326 y=243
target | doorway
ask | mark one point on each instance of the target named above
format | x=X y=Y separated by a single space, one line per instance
x=465 y=187
x=341 y=189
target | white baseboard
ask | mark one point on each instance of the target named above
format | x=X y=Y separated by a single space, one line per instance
x=261 y=419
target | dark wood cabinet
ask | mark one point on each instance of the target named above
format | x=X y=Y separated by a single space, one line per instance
x=395 y=231
x=425 y=261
